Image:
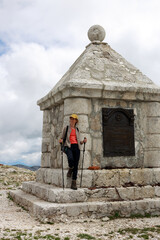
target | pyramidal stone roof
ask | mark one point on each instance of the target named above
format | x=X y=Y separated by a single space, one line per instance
x=98 y=72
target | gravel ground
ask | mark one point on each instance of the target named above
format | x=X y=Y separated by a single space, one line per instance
x=16 y=223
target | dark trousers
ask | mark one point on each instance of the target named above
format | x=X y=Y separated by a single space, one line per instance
x=73 y=155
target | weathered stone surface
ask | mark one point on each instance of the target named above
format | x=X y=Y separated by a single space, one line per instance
x=126 y=193
x=157 y=191
x=100 y=62
x=154 y=125
x=52 y=194
x=151 y=158
x=68 y=201
x=95 y=123
x=86 y=160
x=46 y=116
x=45 y=147
x=148 y=192
x=153 y=109
x=77 y=105
x=45 y=160
x=104 y=178
x=124 y=177
x=148 y=176
x=83 y=123
x=138 y=193
x=153 y=141
x=96 y=33
x=97 y=146
x=156 y=176
x=136 y=176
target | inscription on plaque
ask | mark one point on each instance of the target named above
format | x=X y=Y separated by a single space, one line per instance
x=118 y=132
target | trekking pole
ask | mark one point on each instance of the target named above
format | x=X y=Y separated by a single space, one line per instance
x=62 y=166
x=82 y=164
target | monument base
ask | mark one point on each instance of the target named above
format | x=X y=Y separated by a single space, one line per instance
x=122 y=177
x=107 y=192
x=51 y=212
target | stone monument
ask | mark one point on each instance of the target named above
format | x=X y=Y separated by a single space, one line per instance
x=119 y=113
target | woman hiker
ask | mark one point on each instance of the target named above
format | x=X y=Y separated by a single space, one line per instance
x=72 y=148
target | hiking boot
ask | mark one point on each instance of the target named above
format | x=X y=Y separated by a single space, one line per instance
x=69 y=173
x=73 y=185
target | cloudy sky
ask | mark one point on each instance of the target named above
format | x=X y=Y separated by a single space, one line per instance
x=39 y=40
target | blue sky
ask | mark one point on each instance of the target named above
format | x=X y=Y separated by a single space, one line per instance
x=39 y=40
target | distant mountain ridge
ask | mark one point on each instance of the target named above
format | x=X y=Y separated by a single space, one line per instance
x=33 y=168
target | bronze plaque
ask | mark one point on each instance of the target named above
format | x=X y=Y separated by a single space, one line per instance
x=118 y=132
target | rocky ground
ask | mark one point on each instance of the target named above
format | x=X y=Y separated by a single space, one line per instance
x=16 y=223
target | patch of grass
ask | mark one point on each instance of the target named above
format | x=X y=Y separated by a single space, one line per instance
x=5 y=166
x=146 y=215
x=130 y=237
x=25 y=209
x=66 y=238
x=7 y=230
x=132 y=216
x=38 y=232
x=51 y=223
x=115 y=215
x=10 y=197
x=144 y=233
x=5 y=239
x=130 y=230
x=48 y=237
x=85 y=236
x=144 y=236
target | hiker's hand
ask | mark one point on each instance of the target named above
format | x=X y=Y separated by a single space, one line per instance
x=85 y=140
x=60 y=140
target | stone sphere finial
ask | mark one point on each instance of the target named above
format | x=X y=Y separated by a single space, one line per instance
x=96 y=33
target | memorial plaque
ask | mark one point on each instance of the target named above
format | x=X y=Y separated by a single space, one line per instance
x=118 y=132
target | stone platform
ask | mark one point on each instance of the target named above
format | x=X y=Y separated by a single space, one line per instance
x=103 y=178
x=46 y=211
x=53 y=194
x=127 y=191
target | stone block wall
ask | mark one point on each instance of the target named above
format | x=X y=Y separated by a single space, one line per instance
x=52 y=129
x=54 y=120
x=152 y=151
x=96 y=131
x=146 y=133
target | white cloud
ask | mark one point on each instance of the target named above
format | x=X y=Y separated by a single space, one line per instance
x=28 y=72
x=18 y=149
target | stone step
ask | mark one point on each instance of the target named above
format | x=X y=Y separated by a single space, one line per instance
x=103 y=178
x=52 y=212
x=54 y=194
